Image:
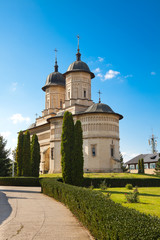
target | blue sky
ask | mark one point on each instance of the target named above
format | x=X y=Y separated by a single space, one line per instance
x=119 y=40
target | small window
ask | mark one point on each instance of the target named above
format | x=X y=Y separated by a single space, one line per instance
x=84 y=93
x=60 y=103
x=52 y=155
x=93 y=151
x=152 y=165
x=136 y=166
x=68 y=95
x=146 y=165
x=132 y=167
x=112 y=151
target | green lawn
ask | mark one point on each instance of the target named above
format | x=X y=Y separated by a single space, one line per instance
x=106 y=175
x=149 y=199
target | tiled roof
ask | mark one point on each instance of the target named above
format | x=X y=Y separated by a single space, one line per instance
x=148 y=158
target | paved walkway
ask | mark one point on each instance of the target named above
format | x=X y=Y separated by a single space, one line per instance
x=27 y=214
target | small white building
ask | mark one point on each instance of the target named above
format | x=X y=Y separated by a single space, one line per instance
x=71 y=92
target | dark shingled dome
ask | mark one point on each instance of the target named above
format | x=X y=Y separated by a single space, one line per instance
x=55 y=78
x=101 y=108
x=79 y=66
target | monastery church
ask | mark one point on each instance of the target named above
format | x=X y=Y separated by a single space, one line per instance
x=71 y=92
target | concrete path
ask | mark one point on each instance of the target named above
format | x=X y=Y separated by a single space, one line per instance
x=27 y=214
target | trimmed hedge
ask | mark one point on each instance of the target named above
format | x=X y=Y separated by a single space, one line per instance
x=19 y=181
x=104 y=218
x=121 y=182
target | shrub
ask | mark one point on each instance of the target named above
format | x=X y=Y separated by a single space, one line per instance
x=19 y=181
x=121 y=182
x=103 y=185
x=132 y=197
x=129 y=186
x=104 y=218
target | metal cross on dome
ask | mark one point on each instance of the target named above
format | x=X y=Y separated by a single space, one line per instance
x=55 y=53
x=78 y=41
x=99 y=96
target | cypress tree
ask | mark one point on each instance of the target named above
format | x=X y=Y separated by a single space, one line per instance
x=19 y=154
x=35 y=156
x=142 y=165
x=139 y=166
x=157 y=168
x=26 y=155
x=5 y=161
x=77 y=164
x=67 y=147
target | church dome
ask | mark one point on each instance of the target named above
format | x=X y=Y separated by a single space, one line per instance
x=54 y=78
x=101 y=108
x=79 y=66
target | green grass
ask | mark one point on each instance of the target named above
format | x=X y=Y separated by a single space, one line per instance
x=106 y=175
x=149 y=199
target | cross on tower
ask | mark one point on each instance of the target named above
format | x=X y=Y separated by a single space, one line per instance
x=36 y=115
x=55 y=54
x=99 y=96
x=78 y=41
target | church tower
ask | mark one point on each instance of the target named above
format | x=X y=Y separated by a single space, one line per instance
x=55 y=91
x=78 y=84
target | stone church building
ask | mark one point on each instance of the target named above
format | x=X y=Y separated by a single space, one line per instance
x=71 y=92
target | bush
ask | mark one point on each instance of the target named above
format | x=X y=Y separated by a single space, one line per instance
x=129 y=186
x=103 y=185
x=104 y=218
x=132 y=197
x=19 y=181
x=121 y=182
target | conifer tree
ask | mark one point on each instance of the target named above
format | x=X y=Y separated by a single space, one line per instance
x=26 y=155
x=139 y=166
x=19 y=154
x=77 y=164
x=157 y=168
x=142 y=165
x=35 y=156
x=67 y=147
x=5 y=161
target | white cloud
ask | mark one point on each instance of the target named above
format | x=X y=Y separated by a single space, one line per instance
x=14 y=86
x=153 y=73
x=18 y=118
x=111 y=74
x=5 y=134
x=128 y=76
x=99 y=75
x=97 y=70
x=100 y=59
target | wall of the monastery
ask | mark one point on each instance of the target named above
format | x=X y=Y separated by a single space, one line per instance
x=55 y=97
x=78 y=89
x=102 y=161
x=99 y=130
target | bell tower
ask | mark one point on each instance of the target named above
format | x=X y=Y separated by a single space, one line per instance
x=78 y=83
x=54 y=91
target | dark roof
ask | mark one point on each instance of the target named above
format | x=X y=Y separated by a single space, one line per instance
x=54 y=78
x=147 y=158
x=79 y=66
x=101 y=108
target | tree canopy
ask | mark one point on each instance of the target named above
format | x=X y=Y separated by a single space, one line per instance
x=5 y=161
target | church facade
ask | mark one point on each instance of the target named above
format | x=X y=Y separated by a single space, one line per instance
x=71 y=92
